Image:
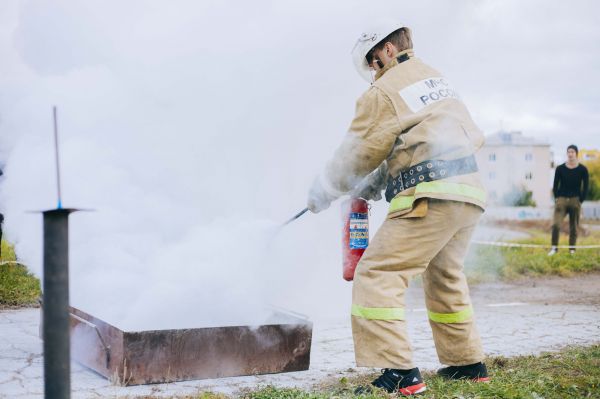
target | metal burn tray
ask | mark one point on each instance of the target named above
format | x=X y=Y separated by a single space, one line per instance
x=147 y=357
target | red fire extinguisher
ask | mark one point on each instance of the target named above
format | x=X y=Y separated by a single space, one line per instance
x=355 y=236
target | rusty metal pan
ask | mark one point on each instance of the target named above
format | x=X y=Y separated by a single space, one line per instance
x=280 y=345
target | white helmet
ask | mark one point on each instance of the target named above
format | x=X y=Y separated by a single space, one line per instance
x=367 y=40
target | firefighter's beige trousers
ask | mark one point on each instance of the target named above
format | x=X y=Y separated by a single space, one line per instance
x=435 y=246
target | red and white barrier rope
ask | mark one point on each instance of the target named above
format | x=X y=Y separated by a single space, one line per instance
x=10 y=262
x=517 y=245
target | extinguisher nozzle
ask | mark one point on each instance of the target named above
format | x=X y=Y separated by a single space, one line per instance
x=296 y=216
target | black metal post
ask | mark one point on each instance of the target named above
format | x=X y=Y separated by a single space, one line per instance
x=57 y=351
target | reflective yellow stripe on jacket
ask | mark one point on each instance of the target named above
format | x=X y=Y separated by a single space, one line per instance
x=437 y=187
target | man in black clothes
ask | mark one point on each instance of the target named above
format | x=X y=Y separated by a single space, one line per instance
x=571 y=181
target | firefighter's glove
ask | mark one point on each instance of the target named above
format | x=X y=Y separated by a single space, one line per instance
x=319 y=198
x=368 y=192
x=370 y=186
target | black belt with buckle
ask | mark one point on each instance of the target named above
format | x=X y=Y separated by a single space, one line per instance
x=429 y=171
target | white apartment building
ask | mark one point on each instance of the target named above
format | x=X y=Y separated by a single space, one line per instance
x=509 y=162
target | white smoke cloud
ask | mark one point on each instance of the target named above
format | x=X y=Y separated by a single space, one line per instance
x=185 y=126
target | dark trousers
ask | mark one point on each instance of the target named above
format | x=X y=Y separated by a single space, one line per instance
x=564 y=206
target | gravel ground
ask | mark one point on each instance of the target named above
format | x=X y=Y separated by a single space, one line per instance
x=521 y=318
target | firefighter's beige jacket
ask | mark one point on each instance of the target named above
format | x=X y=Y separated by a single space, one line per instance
x=410 y=114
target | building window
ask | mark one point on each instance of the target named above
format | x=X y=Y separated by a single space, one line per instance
x=492 y=157
x=528 y=176
x=493 y=195
x=492 y=175
x=529 y=156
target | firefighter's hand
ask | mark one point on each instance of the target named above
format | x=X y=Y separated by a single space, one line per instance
x=318 y=198
x=368 y=192
x=371 y=185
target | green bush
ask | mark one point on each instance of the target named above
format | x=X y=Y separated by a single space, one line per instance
x=8 y=252
x=518 y=196
x=593 y=166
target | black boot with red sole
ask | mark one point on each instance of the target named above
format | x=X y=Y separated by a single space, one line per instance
x=475 y=372
x=405 y=382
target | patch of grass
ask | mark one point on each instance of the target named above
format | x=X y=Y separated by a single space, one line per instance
x=8 y=252
x=486 y=263
x=521 y=262
x=345 y=391
x=18 y=287
x=203 y=395
x=571 y=373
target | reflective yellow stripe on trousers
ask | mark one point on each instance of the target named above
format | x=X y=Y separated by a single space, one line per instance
x=457 y=317
x=378 y=313
x=437 y=187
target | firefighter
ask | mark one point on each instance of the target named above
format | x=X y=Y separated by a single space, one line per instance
x=411 y=124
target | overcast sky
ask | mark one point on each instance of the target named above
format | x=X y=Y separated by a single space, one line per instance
x=525 y=65
x=188 y=99
x=173 y=114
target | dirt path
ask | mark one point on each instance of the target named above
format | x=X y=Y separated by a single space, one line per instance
x=528 y=316
x=577 y=290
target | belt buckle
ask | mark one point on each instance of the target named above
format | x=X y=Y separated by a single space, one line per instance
x=400 y=182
